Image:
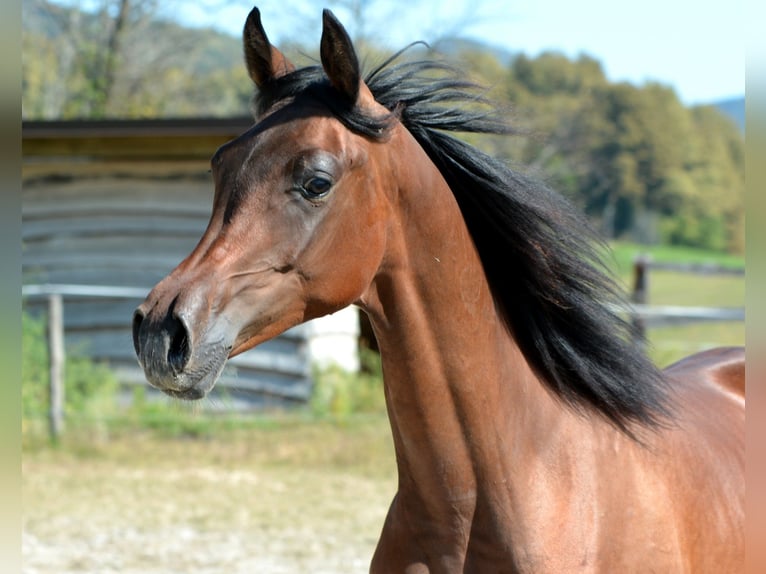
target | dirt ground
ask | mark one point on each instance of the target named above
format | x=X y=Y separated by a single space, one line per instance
x=303 y=499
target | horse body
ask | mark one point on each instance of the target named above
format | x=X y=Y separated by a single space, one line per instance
x=502 y=466
x=495 y=475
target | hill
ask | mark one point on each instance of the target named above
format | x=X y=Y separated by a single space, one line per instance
x=735 y=109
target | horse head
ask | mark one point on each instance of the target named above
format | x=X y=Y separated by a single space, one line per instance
x=297 y=228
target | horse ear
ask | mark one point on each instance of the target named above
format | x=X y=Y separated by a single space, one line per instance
x=264 y=62
x=339 y=57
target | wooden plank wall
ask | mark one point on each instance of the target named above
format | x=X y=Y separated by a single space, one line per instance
x=112 y=230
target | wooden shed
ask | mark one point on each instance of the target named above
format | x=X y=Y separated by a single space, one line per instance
x=108 y=209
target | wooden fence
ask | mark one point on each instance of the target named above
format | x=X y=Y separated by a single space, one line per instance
x=276 y=373
x=646 y=315
x=291 y=361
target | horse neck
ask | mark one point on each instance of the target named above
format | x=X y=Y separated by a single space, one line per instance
x=458 y=389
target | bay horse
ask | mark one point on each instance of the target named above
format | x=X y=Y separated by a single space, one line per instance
x=530 y=434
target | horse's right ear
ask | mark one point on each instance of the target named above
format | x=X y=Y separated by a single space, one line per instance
x=264 y=62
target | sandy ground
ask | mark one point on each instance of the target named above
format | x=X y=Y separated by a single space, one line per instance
x=203 y=508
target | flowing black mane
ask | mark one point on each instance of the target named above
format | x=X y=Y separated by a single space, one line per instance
x=541 y=257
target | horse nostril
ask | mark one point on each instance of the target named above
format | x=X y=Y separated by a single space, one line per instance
x=138 y=318
x=178 y=350
x=163 y=348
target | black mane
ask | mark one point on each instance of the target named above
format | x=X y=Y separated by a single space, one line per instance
x=541 y=257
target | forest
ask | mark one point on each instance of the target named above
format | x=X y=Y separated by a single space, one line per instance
x=642 y=165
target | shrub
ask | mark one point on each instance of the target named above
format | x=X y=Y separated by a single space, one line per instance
x=90 y=388
x=339 y=393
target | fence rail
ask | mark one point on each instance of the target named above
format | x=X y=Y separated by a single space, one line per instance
x=48 y=289
x=644 y=314
x=683 y=313
x=696 y=268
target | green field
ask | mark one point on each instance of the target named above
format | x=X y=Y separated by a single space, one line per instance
x=624 y=252
x=668 y=344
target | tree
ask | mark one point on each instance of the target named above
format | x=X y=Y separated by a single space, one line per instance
x=634 y=158
x=121 y=60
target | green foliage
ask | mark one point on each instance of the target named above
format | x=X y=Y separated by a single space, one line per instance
x=166 y=418
x=90 y=388
x=622 y=254
x=34 y=369
x=338 y=393
x=552 y=74
x=93 y=65
x=701 y=230
x=637 y=161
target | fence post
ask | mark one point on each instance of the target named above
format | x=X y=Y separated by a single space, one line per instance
x=640 y=294
x=56 y=357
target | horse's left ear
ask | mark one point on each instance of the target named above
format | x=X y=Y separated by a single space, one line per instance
x=339 y=57
x=264 y=62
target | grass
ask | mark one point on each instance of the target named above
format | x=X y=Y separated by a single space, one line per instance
x=276 y=439
x=669 y=344
x=623 y=253
x=670 y=288
x=283 y=493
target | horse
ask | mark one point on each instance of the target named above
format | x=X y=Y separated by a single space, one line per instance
x=530 y=433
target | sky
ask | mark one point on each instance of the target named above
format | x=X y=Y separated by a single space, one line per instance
x=696 y=47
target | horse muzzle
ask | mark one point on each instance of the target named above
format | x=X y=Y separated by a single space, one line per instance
x=172 y=360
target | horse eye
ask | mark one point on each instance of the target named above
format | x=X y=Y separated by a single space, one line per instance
x=316 y=187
